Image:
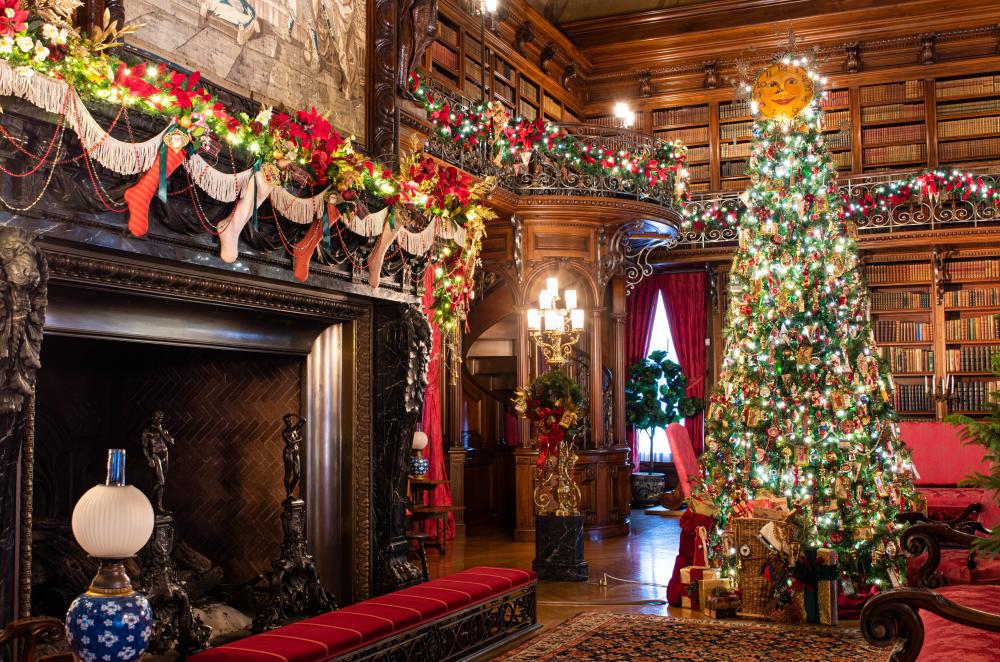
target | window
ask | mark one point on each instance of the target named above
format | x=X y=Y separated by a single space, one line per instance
x=660 y=340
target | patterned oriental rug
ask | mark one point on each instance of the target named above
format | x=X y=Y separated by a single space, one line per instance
x=603 y=636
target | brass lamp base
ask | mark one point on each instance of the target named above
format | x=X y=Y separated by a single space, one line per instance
x=111 y=580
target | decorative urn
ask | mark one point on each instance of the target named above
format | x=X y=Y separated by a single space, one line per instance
x=111 y=522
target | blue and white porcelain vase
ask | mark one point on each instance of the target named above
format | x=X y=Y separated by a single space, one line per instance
x=111 y=622
x=109 y=627
x=419 y=465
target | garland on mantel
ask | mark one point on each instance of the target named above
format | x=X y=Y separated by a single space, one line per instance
x=652 y=169
x=926 y=185
x=44 y=61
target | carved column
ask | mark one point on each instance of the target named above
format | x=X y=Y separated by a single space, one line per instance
x=618 y=357
x=596 y=378
x=383 y=119
x=401 y=353
x=455 y=442
x=23 y=290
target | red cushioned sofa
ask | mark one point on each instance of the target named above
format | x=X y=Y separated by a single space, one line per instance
x=940 y=551
x=952 y=623
x=452 y=618
x=942 y=461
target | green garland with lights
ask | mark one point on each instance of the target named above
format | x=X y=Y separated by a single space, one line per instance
x=38 y=39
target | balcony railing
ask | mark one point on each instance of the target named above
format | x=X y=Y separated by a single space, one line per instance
x=543 y=175
x=917 y=213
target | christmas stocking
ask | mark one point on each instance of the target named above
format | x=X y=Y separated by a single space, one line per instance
x=303 y=252
x=140 y=194
x=252 y=196
x=377 y=257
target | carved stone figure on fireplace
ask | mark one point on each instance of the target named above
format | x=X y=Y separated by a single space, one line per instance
x=23 y=279
x=156 y=444
x=292 y=434
x=292 y=586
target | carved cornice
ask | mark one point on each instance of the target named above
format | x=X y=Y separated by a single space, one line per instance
x=163 y=281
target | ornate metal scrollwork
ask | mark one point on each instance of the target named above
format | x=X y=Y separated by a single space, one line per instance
x=917 y=213
x=628 y=252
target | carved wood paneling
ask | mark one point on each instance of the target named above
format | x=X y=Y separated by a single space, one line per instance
x=383 y=120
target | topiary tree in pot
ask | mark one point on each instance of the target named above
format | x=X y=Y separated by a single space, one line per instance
x=655 y=398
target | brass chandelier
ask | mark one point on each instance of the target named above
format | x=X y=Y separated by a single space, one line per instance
x=555 y=329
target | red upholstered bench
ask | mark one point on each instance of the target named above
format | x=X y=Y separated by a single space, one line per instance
x=444 y=619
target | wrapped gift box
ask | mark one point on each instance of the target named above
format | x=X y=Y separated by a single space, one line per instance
x=708 y=586
x=722 y=606
x=817 y=599
x=691 y=578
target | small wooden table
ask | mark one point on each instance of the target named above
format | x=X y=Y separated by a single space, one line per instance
x=420 y=491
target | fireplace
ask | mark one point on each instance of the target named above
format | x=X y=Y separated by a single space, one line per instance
x=222 y=407
x=224 y=370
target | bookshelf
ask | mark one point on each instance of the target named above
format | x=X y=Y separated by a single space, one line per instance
x=971 y=304
x=690 y=125
x=454 y=60
x=893 y=129
x=902 y=320
x=933 y=325
x=897 y=125
x=968 y=112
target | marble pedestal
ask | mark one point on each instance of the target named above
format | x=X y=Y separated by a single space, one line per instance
x=559 y=548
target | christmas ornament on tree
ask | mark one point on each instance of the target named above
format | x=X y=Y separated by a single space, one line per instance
x=802 y=410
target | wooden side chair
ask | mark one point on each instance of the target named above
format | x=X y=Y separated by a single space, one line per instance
x=22 y=637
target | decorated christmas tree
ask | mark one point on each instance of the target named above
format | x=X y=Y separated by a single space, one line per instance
x=802 y=415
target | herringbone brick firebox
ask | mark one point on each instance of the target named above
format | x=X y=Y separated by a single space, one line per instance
x=224 y=409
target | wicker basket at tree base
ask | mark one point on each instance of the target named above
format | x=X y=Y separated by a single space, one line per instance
x=756 y=589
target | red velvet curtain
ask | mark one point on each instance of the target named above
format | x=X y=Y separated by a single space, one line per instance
x=684 y=300
x=441 y=496
x=640 y=311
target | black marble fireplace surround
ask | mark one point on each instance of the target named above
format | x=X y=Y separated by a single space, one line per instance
x=361 y=355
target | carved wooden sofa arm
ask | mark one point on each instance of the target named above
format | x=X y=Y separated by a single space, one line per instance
x=962 y=521
x=28 y=632
x=929 y=538
x=892 y=619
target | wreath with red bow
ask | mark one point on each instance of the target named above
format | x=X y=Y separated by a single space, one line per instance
x=552 y=403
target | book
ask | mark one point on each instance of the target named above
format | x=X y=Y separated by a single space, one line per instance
x=682 y=115
x=904 y=91
x=973 y=328
x=974 y=269
x=972 y=358
x=900 y=299
x=898 y=272
x=961 y=87
x=902 y=331
x=907 y=359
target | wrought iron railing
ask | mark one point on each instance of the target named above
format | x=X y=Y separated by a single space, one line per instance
x=543 y=175
x=916 y=213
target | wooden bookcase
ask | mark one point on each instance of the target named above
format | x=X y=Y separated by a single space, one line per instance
x=902 y=320
x=968 y=118
x=455 y=61
x=937 y=325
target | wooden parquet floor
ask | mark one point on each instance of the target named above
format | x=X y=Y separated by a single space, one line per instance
x=645 y=555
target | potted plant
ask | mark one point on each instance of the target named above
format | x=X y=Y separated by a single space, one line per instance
x=655 y=398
